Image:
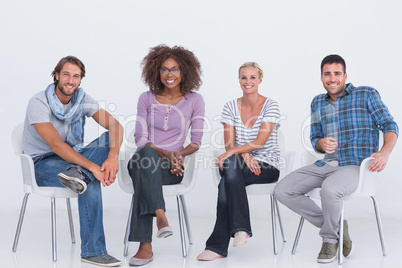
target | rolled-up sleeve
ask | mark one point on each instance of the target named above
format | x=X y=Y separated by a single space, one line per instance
x=380 y=113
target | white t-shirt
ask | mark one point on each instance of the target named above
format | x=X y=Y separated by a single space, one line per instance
x=38 y=111
x=269 y=113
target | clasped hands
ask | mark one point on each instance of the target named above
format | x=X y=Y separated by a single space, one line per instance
x=176 y=161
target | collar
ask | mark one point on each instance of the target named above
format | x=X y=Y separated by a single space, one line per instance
x=348 y=90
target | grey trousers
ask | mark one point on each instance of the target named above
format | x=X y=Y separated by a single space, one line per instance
x=335 y=183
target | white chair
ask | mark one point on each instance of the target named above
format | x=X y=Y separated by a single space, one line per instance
x=178 y=190
x=365 y=188
x=30 y=186
x=286 y=165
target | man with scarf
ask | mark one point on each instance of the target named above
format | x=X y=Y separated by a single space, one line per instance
x=53 y=136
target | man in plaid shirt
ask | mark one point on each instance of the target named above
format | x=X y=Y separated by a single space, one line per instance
x=344 y=125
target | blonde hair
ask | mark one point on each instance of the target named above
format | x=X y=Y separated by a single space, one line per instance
x=252 y=64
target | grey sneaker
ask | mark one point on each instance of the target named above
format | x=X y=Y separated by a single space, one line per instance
x=347 y=242
x=327 y=253
x=73 y=179
x=102 y=260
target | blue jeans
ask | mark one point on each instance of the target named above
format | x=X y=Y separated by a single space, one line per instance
x=47 y=167
x=232 y=213
x=149 y=172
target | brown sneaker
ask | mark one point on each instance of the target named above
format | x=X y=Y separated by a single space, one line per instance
x=327 y=253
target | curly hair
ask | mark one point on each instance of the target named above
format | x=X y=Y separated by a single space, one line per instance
x=190 y=68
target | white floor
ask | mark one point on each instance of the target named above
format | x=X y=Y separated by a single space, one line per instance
x=34 y=249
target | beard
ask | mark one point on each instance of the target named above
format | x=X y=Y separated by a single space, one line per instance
x=66 y=92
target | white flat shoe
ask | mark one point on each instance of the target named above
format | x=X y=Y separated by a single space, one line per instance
x=164 y=232
x=240 y=239
x=208 y=255
x=140 y=262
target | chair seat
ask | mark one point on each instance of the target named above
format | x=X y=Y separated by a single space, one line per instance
x=261 y=189
x=176 y=189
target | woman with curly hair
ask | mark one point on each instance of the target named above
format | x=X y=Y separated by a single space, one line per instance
x=165 y=114
x=251 y=125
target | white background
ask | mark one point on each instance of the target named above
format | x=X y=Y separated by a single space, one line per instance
x=287 y=38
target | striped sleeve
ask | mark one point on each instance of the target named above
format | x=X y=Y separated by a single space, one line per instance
x=271 y=112
x=229 y=113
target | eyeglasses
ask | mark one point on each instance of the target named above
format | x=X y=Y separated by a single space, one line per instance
x=165 y=71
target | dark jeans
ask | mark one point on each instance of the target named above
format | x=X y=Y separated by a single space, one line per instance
x=232 y=213
x=47 y=167
x=149 y=172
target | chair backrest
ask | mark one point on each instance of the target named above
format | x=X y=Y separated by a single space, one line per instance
x=27 y=166
x=16 y=138
x=124 y=179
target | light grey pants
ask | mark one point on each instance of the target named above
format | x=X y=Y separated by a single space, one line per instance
x=335 y=183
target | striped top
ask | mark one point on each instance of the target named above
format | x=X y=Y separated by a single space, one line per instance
x=354 y=120
x=269 y=113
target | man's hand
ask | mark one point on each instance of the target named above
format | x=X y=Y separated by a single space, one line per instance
x=379 y=162
x=110 y=168
x=327 y=145
x=99 y=175
x=252 y=164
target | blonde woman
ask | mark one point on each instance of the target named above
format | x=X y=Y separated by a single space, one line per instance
x=251 y=125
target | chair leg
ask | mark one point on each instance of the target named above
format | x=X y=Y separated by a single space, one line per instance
x=70 y=220
x=299 y=229
x=379 y=225
x=182 y=233
x=126 y=242
x=278 y=213
x=273 y=219
x=187 y=222
x=340 y=240
x=53 y=218
x=20 y=220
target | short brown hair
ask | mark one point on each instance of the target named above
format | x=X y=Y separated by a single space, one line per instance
x=190 y=68
x=69 y=59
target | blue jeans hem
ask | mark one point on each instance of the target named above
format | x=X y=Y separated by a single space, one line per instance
x=239 y=230
x=93 y=255
x=224 y=254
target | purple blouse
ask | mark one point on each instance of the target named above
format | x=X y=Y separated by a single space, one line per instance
x=166 y=126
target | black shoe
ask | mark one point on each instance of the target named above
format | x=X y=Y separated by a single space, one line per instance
x=102 y=260
x=73 y=179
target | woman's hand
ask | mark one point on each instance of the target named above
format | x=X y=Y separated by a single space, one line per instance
x=252 y=163
x=221 y=159
x=176 y=161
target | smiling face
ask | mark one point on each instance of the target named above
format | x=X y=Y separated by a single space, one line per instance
x=69 y=79
x=249 y=80
x=333 y=79
x=170 y=74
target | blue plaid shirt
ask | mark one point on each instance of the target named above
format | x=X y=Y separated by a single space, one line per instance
x=354 y=120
